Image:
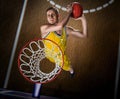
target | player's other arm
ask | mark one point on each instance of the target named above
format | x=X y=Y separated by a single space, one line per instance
x=77 y=33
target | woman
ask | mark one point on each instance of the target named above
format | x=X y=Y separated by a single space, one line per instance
x=58 y=31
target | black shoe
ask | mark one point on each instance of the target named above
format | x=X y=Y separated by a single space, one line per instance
x=72 y=74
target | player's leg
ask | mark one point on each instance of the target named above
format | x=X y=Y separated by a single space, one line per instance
x=36 y=91
x=67 y=65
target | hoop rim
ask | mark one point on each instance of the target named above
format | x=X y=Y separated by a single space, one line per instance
x=56 y=75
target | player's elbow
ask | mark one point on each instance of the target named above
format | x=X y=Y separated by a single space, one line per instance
x=60 y=26
x=85 y=35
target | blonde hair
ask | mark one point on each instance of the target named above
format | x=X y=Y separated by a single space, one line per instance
x=54 y=9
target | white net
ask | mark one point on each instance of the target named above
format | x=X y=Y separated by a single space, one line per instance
x=98 y=8
x=31 y=56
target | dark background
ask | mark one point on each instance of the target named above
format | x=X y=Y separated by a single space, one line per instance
x=94 y=59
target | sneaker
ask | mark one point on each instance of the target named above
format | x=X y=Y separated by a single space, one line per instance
x=72 y=74
x=71 y=71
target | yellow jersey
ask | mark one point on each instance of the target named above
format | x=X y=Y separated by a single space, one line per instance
x=61 y=41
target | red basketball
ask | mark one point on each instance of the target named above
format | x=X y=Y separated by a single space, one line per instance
x=77 y=10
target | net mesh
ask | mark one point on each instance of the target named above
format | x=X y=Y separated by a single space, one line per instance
x=33 y=53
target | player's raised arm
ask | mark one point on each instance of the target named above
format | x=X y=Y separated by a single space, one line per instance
x=77 y=32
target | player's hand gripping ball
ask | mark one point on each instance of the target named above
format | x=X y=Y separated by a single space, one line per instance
x=77 y=10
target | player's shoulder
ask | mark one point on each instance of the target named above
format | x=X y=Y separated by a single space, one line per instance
x=42 y=29
x=43 y=26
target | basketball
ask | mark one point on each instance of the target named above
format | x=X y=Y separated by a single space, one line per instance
x=77 y=10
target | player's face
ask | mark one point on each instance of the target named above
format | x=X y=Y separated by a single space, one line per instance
x=52 y=17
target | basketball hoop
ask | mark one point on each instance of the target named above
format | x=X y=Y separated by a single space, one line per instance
x=31 y=57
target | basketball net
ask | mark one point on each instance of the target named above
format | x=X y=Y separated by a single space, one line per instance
x=100 y=7
x=31 y=55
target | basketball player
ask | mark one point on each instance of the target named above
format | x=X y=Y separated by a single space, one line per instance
x=58 y=31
